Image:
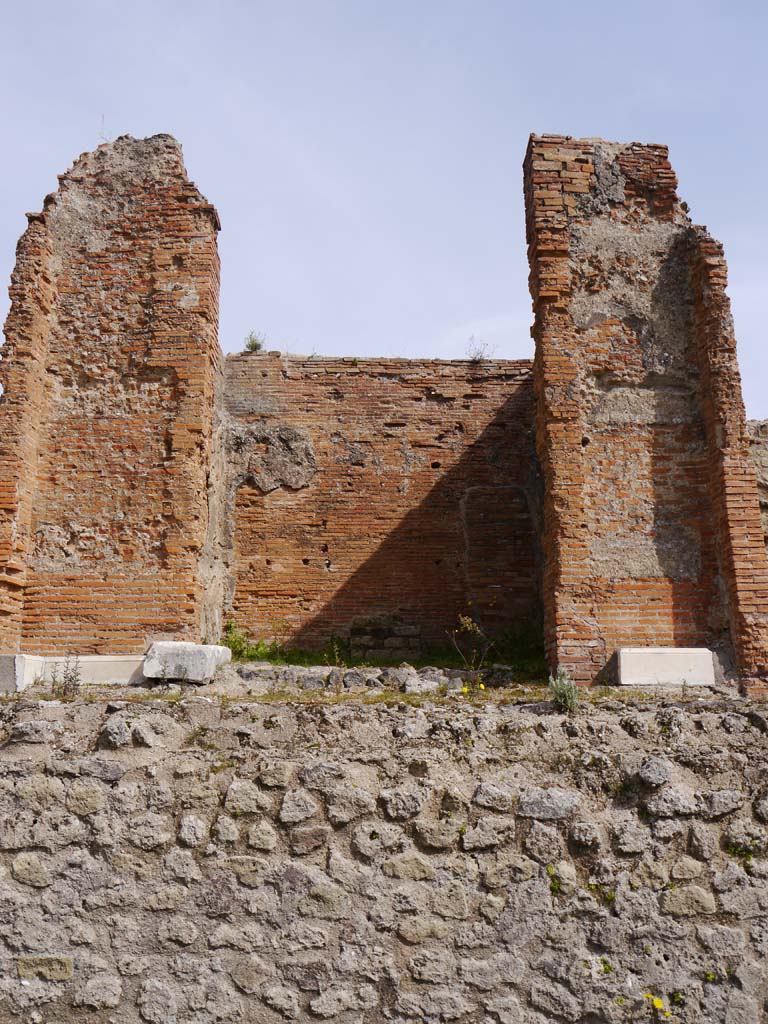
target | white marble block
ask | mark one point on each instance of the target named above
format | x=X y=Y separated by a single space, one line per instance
x=179 y=660
x=665 y=666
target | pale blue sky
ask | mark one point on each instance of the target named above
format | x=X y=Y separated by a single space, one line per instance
x=364 y=155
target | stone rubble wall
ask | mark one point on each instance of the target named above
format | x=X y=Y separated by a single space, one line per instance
x=651 y=521
x=202 y=862
x=378 y=499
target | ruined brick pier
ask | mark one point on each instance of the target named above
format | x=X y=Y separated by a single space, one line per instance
x=151 y=488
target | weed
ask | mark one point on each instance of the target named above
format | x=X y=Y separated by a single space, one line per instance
x=564 y=692
x=555 y=884
x=255 y=341
x=471 y=642
x=478 y=351
x=605 y=894
x=195 y=736
x=67 y=685
x=742 y=853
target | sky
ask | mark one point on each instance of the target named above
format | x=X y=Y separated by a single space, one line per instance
x=365 y=155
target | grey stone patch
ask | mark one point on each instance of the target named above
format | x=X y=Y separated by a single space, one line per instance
x=671 y=801
x=630 y=838
x=493 y=798
x=586 y=834
x=245 y=797
x=281 y=998
x=348 y=803
x=262 y=836
x=28 y=869
x=437 y=834
x=36 y=731
x=192 y=830
x=687 y=868
x=721 y=802
x=761 y=808
x=544 y=843
x=702 y=841
x=552 y=804
x=422 y=684
x=115 y=733
x=402 y=804
x=375 y=839
x=410 y=865
x=438 y=968
x=157 y=1002
x=151 y=831
x=655 y=771
x=298 y=805
x=744 y=834
x=689 y=901
x=103 y=991
x=270 y=457
x=486 y=834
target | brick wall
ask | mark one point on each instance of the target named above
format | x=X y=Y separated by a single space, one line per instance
x=149 y=488
x=757 y=431
x=650 y=517
x=106 y=416
x=394 y=494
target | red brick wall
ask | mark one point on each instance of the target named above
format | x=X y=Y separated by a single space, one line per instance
x=416 y=503
x=23 y=407
x=636 y=380
x=148 y=488
x=732 y=476
x=110 y=361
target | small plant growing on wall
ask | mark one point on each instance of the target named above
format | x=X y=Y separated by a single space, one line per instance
x=255 y=341
x=564 y=692
x=478 y=350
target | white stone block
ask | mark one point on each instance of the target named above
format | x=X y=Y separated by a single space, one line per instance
x=665 y=666
x=118 y=669
x=19 y=671
x=185 y=661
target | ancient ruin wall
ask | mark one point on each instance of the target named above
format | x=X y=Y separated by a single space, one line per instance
x=757 y=431
x=107 y=408
x=378 y=499
x=192 y=863
x=651 y=521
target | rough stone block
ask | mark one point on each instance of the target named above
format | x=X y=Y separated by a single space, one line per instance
x=665 y=666
x=181 y=660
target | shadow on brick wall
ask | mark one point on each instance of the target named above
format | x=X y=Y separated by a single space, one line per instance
x=470 y=546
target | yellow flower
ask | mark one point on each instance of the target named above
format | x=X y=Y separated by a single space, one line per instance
x=658 y=1003
x=482 y=686
x=465 y=689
